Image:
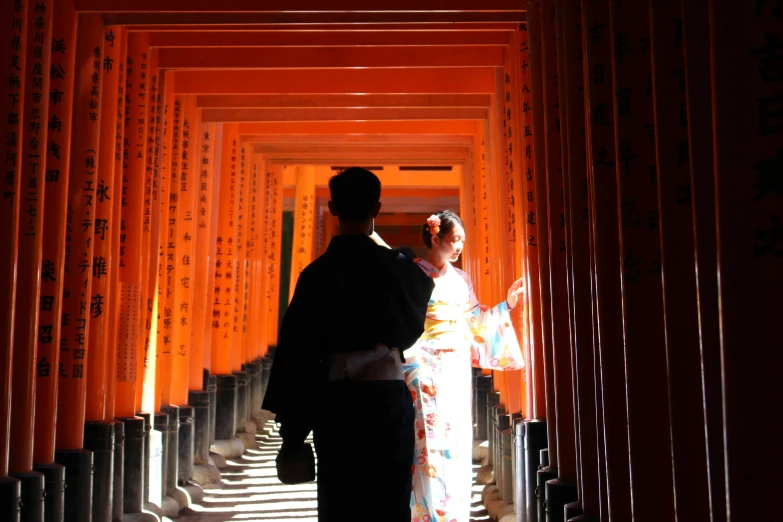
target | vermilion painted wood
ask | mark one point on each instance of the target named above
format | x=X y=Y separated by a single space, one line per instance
x=233 y=101
x=340 y=101
x=391 y=29
x=411 y=219
x=611 y=414
x=447 y=80
x=579 y=246
x=147 y=391
x=495 y=143
x=114 y=305
x=82 y=203
x=507 y=222
x=134 y=160
x=304 y=221
x=211 y=36
x=33 y=135
x=239 y=350
x=468 y=213
x=297 y=6
x=216 y=159
x=55 y=213
x=264 y=241
x=184 y=281
x=432 y=150
x=384 y=18
x=487 y=208
x=645 y=352
x=307 y=115
x=222 y=335
x=538 y=395
x=363 y=127
x=503 y=218
x=316 y=139
x=145 y=383
x=564 y=161
x=105 y=229
x=522 y=381
x=12 y=102
x=544 y=371
x=221 y=18
x=256 y=331
x=748 y=144
x=696 y=42
x=275 y=234
x=204 y=259
x=556 y=163
x=281 y=58
x=169 y=202
x=481 y=280
x=680 y=296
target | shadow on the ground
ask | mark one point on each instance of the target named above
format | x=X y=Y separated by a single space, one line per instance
x=253 y=493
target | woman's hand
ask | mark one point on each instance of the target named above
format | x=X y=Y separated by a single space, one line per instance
x=514 y=291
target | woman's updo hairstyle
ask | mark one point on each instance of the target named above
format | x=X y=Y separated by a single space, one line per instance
x=447 y=221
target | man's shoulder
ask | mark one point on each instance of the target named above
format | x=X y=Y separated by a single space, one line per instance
x=313 y=270
x=395 y=258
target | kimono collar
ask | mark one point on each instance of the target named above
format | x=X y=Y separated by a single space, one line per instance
x=431 y=270
x=349 y=242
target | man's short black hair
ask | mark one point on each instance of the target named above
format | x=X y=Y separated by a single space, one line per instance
x=355 y=191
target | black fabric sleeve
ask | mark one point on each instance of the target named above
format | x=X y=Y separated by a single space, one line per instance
x=296 y=374
x=406 y=251
x=414 y=292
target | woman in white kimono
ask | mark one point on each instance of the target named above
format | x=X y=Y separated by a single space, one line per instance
x=458 y=332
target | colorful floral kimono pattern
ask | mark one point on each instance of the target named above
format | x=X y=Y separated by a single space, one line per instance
x=459 y=332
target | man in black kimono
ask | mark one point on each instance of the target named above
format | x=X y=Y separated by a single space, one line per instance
x=337 y=370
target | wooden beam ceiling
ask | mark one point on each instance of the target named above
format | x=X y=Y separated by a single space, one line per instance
x=276 y=38
x=308 y=114
x=301 y=6
x=377 y=139
x=391 y=82
x=389 y=28
x=451 y=80
x=456 y=127
x=226 y=19
x=329 y=57
x=245 y=101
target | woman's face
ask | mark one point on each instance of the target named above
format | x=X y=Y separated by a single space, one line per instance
x=450 y=246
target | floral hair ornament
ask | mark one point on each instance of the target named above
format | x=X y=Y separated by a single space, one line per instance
x=433 y=222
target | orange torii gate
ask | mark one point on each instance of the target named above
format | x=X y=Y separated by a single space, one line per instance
x=162 y=290
x=259 y=36
x=622 y=158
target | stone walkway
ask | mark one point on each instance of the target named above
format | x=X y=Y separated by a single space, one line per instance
x=252 y=492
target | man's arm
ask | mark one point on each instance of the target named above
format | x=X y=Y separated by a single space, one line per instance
x=295 y=375
x=414 y=292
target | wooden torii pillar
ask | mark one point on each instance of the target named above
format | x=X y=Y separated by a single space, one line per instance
x=13 y=58
x=747 y=96
x=55 y=215
x=222 y=335
x=78 y=268
x=101 y=430
x=204 y=279
x=536 y=240
x=130 y=306
x=602 y=183
x=603 y=290
x=304 y=219
x=33 y=108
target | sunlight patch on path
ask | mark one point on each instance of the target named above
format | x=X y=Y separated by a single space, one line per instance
x=253 y=493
